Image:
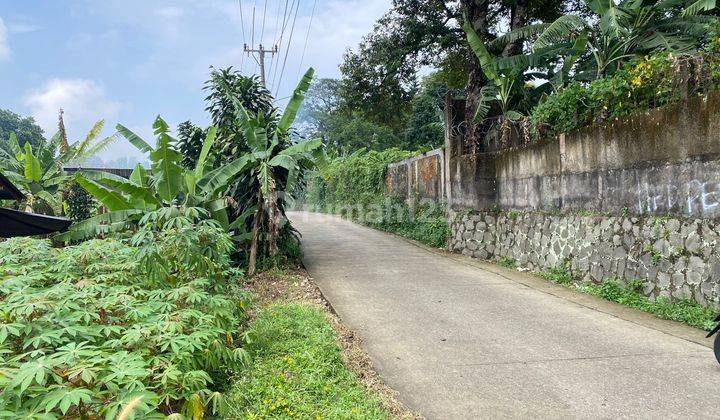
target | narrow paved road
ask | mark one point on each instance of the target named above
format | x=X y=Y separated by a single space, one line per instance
x=460 y=339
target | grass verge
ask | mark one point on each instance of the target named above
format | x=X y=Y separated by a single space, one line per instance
x=684 y=310
x=630 y=294
x=305 y=362
x=298 y=371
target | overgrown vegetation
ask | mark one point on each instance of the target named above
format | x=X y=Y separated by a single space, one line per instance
x=426 y=223
x=354 y=186
x=630 y=294
x=642 y=84
x=298 y=371
x=143 y=326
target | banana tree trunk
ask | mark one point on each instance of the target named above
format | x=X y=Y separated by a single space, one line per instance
x=273 y=220
x=257 y=221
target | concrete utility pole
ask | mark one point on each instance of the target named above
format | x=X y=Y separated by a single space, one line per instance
x=261 y=57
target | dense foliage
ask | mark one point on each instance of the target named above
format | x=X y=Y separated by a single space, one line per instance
x=25 y=128
x=108 y=326
x=643 y=84
x=355 y=179
x=298 y=371
x=354 y=186
x=190 y=140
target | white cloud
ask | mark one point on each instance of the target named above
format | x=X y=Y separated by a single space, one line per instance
x=4 y=48
x=169 y=12
x=22 y=27
x=83 y=101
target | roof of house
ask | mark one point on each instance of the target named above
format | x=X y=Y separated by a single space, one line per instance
x=123 y=172
x=8 y=191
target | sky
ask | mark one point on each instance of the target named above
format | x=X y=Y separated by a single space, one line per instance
x=127 y=61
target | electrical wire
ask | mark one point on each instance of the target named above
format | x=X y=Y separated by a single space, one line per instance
x=307 y=35
x=242 y=28
x=287 y=50
x=286 y=15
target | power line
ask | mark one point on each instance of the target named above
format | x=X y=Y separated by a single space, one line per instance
x=287 y=50
x=307 y=35
x=286 y=15
x=242 y=27
x=262 y=30
x=277 y=34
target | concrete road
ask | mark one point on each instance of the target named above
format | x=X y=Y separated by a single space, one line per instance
x=462 y=339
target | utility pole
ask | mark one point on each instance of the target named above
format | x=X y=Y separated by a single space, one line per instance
x=261 y=57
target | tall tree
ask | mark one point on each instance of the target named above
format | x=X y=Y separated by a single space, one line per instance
x=381 y=76
x=25 y=129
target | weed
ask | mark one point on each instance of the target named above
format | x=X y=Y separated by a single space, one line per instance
x=559 y=274
x=683 y=310
x=655 y=254
x=513 y=214
x=507 y=262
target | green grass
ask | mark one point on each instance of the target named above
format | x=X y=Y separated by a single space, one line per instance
x=298 y=371
x=684 y=310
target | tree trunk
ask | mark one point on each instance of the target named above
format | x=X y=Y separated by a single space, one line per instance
x=476 y=12
x=273 y=220
x=257 y=221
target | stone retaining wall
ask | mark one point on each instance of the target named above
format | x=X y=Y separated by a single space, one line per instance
x=675 y=258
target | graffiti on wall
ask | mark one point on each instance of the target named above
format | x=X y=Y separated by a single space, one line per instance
x=692 y=198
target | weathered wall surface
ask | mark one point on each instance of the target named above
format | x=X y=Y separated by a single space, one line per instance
x=675 y=258
x=663 y=162
x=420 y=177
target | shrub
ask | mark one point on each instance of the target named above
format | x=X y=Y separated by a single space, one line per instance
x=90 y=330
x=424 y=222
x=355 y=179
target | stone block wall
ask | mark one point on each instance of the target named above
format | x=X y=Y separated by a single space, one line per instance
x=675 y=258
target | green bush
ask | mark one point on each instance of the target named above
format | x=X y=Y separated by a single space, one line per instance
x=355 y=179
x=507 y=262
x=426 y=223
x=354 y=186
x=89 y=330
x=560 y=274
x=298 y=371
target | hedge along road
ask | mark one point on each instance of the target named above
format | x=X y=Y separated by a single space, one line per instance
x=463 y=339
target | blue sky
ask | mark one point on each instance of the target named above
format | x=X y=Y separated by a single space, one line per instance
x=130 y=60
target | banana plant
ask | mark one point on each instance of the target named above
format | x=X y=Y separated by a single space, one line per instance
x=169 y=185
x=38 y=173
x=275 y=165
x=503 y=79
x=630 y=28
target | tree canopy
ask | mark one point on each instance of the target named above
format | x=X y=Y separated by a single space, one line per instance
x=25 y=128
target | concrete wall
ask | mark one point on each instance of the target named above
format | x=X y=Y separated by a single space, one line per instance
x=674 y=258
x=663 y=162
x=420 y=177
